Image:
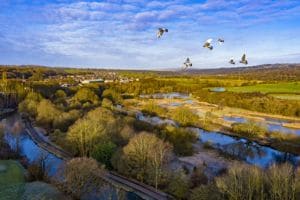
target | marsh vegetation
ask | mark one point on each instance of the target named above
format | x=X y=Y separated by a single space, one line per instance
x=111 y=127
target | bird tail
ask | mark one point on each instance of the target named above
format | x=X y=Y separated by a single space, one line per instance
x=211 y=47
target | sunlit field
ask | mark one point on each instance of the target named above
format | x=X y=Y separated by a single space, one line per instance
x=293 y=87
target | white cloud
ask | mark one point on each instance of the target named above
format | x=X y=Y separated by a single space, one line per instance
x=122 y=32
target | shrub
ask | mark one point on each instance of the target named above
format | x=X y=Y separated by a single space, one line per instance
x=281 y=182
x=206 y=192
x=60 y=94
x=181 y=139
x=249 y=129
x=178 y=185
x=185 y=116
x=198 y=177
x=103 y=153
x=113 y=95
x=106 y=103
x=153 y=109
x=38 y=170
x=84 y=95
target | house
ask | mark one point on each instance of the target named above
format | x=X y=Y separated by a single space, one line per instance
x=100 y=80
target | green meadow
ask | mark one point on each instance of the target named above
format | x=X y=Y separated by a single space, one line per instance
x=292 y=88
x=12 y=180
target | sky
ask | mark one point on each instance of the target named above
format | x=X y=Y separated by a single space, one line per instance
x=122 y=33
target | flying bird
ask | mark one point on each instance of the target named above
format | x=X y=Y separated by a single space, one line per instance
x=161 y=31
x=244 y=60
x=221 y=41
x=187 y=64
x=208 y=45
x=231 y=61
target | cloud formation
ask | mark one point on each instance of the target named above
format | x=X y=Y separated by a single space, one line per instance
x=121 y=33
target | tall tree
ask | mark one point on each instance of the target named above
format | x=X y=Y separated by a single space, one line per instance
x=146 y=158
x=96 y=127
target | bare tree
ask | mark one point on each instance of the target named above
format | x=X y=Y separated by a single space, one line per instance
x=146 y=158
x=82 y=175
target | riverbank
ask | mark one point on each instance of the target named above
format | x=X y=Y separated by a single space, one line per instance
x=226 y=146
x=287 y=142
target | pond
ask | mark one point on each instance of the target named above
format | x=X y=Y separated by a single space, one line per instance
x=271 y=124
x=155 y=120
x=172 y=95
x=217 y=89
x=242 y=149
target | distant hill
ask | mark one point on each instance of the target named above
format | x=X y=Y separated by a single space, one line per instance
x=290 y=72
x=261 y=72
x=258 y=68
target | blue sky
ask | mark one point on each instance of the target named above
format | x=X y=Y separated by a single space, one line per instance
x=122 y=33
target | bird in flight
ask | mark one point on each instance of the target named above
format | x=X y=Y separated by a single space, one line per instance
x=161 y=31
x=221 y=41
x=187 y=64
x=231 y=61
x=244 y=60
x=208 y=45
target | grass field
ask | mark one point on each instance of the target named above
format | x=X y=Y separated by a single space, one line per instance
x=293 y=87
x=12 y=180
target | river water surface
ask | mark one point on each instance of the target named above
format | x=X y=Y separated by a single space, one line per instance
x=243 y=149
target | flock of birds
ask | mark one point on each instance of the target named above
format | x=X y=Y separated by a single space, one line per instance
x=207 y=44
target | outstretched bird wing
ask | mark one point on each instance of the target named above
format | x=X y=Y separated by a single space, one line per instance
x=209 y=41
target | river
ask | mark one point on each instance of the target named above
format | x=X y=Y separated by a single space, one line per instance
x=242 y=149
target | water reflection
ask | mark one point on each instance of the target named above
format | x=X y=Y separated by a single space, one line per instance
x=250 y=152
x=271 y=124
x=155 y=120
x=172 y=95
x=245 y=150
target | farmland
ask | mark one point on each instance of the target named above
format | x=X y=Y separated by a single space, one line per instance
x=279 y=88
